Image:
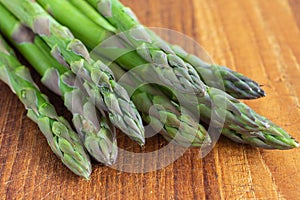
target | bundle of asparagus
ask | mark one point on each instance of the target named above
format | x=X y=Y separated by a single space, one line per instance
x=63 y=141
x=99 y=104
x=98 y=138
x=241 y=123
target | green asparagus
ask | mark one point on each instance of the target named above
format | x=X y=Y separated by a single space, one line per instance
x=174 y=122
x=234 y=83
x=124 y=20
x=241 y=123
x=98 y=79
x=62 y=140
x=98 y=138
x=240 y=120
x=172 y=70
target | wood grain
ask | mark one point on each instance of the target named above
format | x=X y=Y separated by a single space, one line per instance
x=258 y=38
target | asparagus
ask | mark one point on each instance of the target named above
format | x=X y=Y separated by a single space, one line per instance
x=171 y=69
x=215 y=76
x=98 y=137
x=187 y=123
x=240 y=119
x=123 y=19
x=241 y=122
x=61 y=138
x=174 y=122
x=99 y=82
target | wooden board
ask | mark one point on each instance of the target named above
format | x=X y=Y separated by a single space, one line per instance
x=258 y=38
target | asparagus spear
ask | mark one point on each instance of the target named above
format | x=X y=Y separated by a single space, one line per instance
x=241 y=121
x=61 y=138
x=91 y=13
x=98 y=79
x=174 y=122
x=98 y=138
x=123 y=19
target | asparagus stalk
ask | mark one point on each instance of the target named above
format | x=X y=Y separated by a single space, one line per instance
x=243 y=123
x=98 y=79
x=61 y=138
x=93 y=14
x=98 y=137
x=174 y=122
x=123 y=19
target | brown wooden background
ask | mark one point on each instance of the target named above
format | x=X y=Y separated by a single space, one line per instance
x=259 y=38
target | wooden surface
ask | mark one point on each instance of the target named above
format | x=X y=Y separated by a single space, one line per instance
x=256 y=37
